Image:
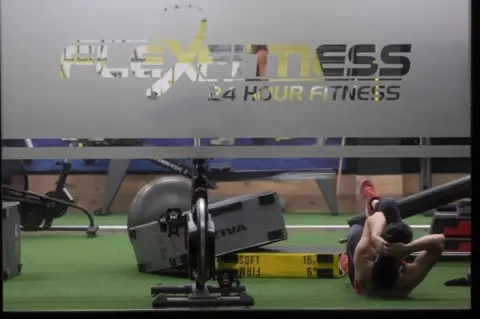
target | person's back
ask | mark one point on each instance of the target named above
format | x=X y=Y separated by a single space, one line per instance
x=376 y=274
x=386 y=269
x=384 y=273
x=376 y=251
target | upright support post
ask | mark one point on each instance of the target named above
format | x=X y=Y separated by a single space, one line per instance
x=426 y=172
x=117 y=169
x=328 y=187
x=425 y=167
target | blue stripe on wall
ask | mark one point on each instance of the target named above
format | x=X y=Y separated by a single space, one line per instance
x=143 y=166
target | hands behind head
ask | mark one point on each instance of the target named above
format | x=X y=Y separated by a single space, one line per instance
x=389 y=249
x=395 y=250
x=379 y=244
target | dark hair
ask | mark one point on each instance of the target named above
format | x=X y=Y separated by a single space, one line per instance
x=397 y=233
x=385 y=269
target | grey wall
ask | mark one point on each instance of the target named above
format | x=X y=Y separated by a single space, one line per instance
x=60 y=79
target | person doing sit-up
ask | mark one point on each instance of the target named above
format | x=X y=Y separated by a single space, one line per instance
x=376 y=252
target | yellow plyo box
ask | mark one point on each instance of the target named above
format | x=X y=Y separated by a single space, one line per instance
x=285 y=262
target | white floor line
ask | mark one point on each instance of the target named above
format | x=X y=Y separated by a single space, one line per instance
x=334 y=227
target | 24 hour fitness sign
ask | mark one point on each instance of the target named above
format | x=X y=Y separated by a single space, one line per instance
x=329 y=72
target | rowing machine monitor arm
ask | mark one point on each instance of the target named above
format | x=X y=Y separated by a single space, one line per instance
x=199 y=230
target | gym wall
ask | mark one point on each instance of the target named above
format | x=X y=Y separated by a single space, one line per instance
x=301 y=196
x=421 y=106
x=389 y=175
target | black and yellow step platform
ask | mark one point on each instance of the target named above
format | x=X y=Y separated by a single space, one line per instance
x=285 y=262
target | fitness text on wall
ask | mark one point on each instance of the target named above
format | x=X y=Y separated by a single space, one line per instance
x=328 y=72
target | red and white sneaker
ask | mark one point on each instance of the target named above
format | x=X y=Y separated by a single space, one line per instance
x=368 y=194
x=343 y=263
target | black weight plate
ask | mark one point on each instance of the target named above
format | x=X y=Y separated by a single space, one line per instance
x=56 y=210
x=32 y=216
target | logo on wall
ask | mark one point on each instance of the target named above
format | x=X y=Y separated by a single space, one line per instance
x=328 y=72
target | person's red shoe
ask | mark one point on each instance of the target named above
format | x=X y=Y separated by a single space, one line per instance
x=368 y=194
x=343 y=262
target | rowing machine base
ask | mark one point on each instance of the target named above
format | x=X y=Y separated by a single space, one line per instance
x=91 y=231
x=44 y=220
x=189 y=296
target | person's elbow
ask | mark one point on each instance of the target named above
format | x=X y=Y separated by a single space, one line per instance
x=438 y=245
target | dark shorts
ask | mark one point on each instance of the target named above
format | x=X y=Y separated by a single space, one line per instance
x=354 y=235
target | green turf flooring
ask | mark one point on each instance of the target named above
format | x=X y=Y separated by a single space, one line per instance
x=71 y=271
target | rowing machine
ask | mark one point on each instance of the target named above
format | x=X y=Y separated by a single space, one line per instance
x=446 y=256
x=428 y=199
x=42 y=208
x=37 y=211
x=200 y=241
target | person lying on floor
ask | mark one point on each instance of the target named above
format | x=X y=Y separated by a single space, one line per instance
x=376 y=252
